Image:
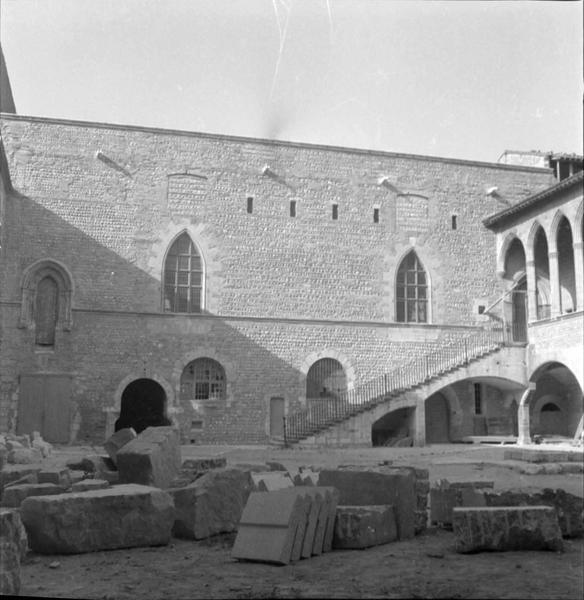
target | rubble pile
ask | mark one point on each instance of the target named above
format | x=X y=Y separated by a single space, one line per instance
x=140 y=493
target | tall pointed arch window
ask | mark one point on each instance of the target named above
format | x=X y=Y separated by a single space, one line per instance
x=411 y=291
x=46 y=311
x=183 y=277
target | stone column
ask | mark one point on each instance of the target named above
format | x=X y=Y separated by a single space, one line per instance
x=420 y=422
x=556 y=308
x=531 y=290
x=523 y=423
x=579 y=273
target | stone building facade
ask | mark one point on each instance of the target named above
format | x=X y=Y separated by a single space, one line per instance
x=225 y=283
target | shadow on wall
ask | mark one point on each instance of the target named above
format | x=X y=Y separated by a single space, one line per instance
x=119 y=330
x=394 y=427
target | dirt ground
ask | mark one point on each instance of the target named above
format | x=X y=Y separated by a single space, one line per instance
x=424 y=567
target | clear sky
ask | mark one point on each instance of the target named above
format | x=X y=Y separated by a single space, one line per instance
x=456 y=79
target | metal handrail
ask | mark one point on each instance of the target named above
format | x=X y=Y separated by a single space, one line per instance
x=308 y=421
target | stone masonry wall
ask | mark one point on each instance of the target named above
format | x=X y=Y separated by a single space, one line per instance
x=107 y=202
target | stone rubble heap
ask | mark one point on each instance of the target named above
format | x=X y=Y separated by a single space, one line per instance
x=141 y=493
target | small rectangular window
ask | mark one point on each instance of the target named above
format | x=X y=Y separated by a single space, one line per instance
x=453 y=222
x=249 y=205
x=335 y=212
x=481 y=309
x=478 y=399
x=292 y=208
x=376 y=215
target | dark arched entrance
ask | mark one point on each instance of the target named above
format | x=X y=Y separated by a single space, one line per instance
x=143 y=405
x=394 y=428
x=437 y=419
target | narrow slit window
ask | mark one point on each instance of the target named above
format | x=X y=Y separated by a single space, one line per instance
x=335 y=212
x=292 y=208
x=453 y=222
x=478 y=398
x=249 y=205
x=376 y=215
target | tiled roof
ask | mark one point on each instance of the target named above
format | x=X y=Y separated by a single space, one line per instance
x=565 y=184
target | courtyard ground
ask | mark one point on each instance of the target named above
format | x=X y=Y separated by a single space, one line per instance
x=424 y=567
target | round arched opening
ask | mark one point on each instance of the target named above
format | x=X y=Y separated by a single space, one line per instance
x=143 y=405
x=394 y=428
x=326 y=379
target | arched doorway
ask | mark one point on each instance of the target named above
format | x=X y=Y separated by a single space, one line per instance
x=556 y=404
x=551 y=420
x=143 y=405
x=437 y=419
x=515 y=273
x=394 y=428
x=326 y=381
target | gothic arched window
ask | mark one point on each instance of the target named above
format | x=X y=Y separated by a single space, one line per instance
x=46 y=311
x=411 y=291
x=183 y=277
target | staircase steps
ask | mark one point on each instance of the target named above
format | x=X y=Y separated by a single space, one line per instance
x=454 y=356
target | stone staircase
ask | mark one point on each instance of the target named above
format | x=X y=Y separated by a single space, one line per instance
x=330 y=412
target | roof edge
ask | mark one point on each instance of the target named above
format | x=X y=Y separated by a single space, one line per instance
x=265 y=141
x=493 y=220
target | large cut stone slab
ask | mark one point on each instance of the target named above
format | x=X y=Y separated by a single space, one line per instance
x=368 y=488
x=60 y=477
x=123 y=516
x=570 y=508
x=364 y=526
x=117 y=441
x=13 y=548
x=268 y=527
x=12 y=473
x=152 y=458
x=447 y=495
x=212 y=504
x=86 y=485
x=506 y=528
x=270 y=481
x=14 y=495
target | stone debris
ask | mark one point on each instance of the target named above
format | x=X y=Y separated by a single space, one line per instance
x=152 y=458
x=37 y=442
x=286 y=525
x=213 y=504
x=506 y=528
x=268 y=526
x=364 y=526
x=89 y=484
x=14 y=495
x=117 y=441
x=194 y=468
x=13 y=548
x=394 y=486
x=317 y=507
x=270 y=481
x=123 y=516
x=543 y=456
x=16 y=473
x=60 y=477
x=446 y=495
x=24 y=456
x=569 y=508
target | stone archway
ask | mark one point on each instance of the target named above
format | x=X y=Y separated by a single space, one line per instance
x=143 y=404
x=553 y=386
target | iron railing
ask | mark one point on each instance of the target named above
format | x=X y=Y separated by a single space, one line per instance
x=324 y=413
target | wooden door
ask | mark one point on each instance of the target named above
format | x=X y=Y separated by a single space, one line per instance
x=45 y=405
x=277 y=412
